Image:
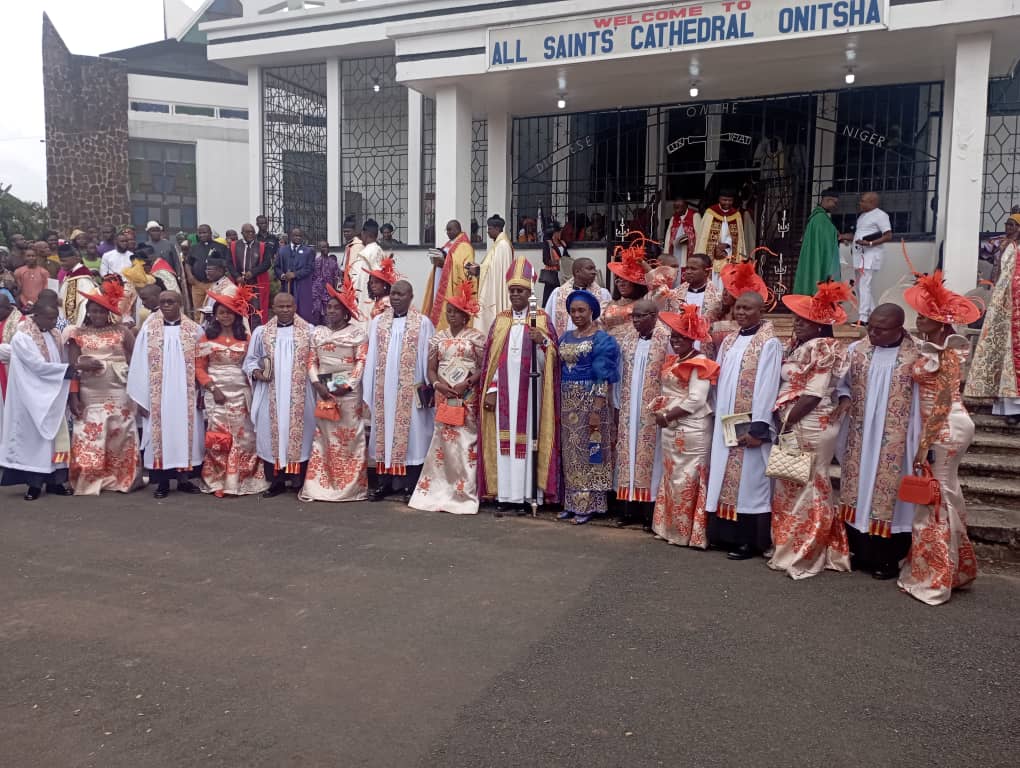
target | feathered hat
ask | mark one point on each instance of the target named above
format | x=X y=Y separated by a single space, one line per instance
x=628 y=261
x=110 y=295
x=688 y=322
x=930 y=297
x=464 y=299
x=346 y=296
x=387 y=271
x=240 y=303
x=741 y=278
x=824 y=307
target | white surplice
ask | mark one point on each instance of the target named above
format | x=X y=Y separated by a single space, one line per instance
x=35 y=407
x=552 y=305
x=173 y=404
x=754 y=496
x=880 y=373
x=513 y=475
x=493 y=297
x=422 y=419
x=261 y=415
x=636 y=414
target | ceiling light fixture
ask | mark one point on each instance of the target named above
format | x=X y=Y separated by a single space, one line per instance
x=694 y=89
x=376 y=87
x=561 y=102
x=850 y=77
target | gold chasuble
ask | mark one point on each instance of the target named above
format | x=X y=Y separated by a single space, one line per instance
x=459 y=253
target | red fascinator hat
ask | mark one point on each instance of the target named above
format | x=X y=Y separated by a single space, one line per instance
x=387 y=272
x=464 y=299
x=824 y=307
x=346 y=296
x=687 y=322
x=741 y=278
x=110 y=295
x=930 y=297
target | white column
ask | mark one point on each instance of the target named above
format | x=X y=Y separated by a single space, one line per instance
x=453 y=159
x=414 y=147
x=498 y=183
x=945 y=149
x=966 y=171
x=255 y=143
x=334 y=198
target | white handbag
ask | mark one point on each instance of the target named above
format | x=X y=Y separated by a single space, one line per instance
x=787 y=461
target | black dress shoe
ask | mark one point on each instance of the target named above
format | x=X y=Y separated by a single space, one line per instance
x=885 y=572
x=274 y=490
x=743 y=552
x=161 y=492
x=186 y=486
x=32 y=494
x=378 y=494
x=623 y=522
x=59 y=489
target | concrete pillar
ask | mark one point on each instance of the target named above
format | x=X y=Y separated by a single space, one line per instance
x=497 y=193
x=453 y=159
x=255 y=143
x=966 y=169
x=415 y=108
x=334 y=194
x=945 y=153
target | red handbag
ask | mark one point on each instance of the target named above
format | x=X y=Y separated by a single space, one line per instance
x=327 y=410
x=218 y=441
x=451 y=415
x=921 y=489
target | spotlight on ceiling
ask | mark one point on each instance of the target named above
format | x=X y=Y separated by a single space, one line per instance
x=561 y=102
x=694 y=90
x=376 y=87
x=850 y=77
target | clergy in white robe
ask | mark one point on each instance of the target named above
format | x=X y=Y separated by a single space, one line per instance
x=34 y=440
x=583 y=280
x=492 y=289
x=361 y=256
x=643 y=349
x=395 y=391
x=884 y=421
x=505 y=471
x=283 y=403
x=739 y=501
x=161 y=380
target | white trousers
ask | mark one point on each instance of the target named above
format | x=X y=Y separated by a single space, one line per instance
x=867 y=301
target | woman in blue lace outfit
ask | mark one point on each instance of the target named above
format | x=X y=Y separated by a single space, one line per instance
x=589 y=361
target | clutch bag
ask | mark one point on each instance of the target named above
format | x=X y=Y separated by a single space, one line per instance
x=450 y=412
x=788 y=462
x=327 y=410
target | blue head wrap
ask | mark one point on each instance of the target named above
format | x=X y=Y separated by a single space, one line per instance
x=587 y=298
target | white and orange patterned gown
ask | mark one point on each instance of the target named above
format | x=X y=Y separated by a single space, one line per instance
x=941 y=556
x=449 y=479
x=679 y=515
x=104 y=443
x=236 y=471
x=807 y=534
x=336 y=467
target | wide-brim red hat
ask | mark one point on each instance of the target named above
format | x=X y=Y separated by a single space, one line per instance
x=110 y=294
x=688 y=322
x=464 y=299
x=239 y=303
x=930 y=297
x=346 y=296
x=824 y=307
x=741 y=278
x=387 y=272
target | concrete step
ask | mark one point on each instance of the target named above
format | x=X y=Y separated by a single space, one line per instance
x=999 y=463
x=1003 y=492
x=985 y=422
x=996 y=442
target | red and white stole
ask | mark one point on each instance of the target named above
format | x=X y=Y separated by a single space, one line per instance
x=291 y=463
x=742 y=403
x=405 y=391
x=62 y=440
x=154 y=350
x=894 y=436
x=687 y=223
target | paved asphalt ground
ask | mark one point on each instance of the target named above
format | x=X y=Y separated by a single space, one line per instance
x=199 y=632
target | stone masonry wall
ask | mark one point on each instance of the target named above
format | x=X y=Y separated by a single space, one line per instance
x=86 y=136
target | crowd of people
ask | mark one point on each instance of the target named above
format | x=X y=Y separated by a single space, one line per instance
x=670 y=403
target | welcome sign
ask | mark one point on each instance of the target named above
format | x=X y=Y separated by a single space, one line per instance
x=674 y=27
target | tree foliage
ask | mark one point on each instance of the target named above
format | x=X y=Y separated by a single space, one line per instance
x=20 y=217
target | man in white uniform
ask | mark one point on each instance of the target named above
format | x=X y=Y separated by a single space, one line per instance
x=739 y=502
x=395 y=391
x=119 y=258
x=881 y=396
x=643 y=349
x=872 y=230
x=361 y=256
x=283 y=444
x=161 y=380
x=584 y=274
x=34 y=444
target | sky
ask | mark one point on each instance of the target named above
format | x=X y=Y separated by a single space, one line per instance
x=88 y=28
